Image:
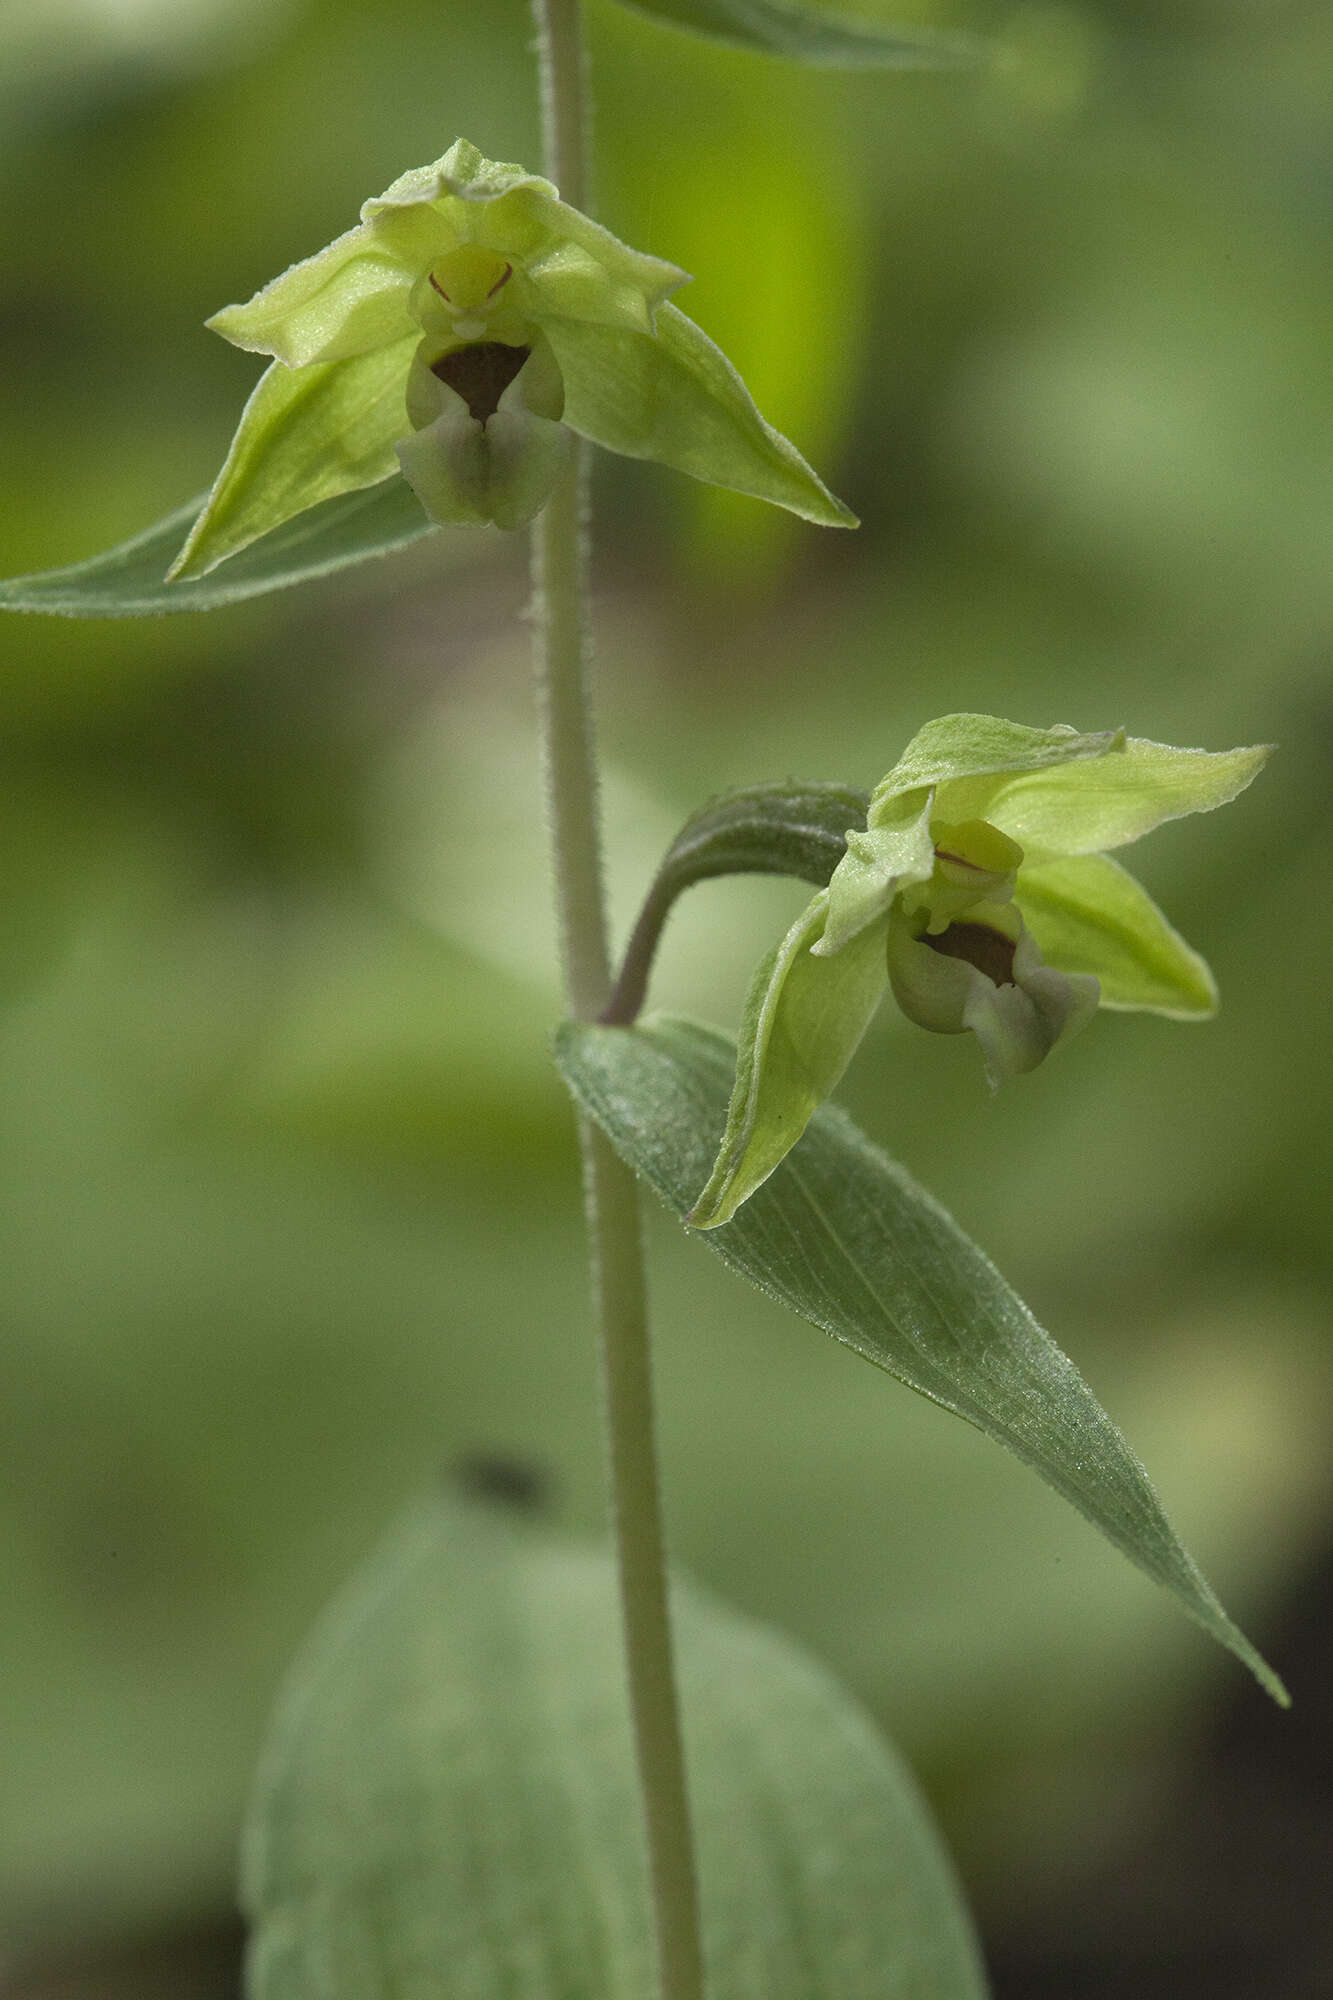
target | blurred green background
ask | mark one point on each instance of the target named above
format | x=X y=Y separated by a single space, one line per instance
x=290 y=1202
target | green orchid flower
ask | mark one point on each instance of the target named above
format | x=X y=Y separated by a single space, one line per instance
x=982 y=892
x=463 y=333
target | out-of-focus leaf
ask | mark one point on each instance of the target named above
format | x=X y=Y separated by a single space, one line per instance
x=807 y=34
x=449 y=1796
x=844 y=1237
x=129 y=580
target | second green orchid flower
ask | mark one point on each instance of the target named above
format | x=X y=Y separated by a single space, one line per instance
x=465 y=330
x=982 y=893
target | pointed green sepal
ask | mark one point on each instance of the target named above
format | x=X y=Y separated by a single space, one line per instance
x=1089 y=915
x=674 y=397
x=305 y=435
x=803 y=1020
x=1084 y=806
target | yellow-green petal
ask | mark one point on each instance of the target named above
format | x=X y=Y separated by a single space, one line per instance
x=674 y=397
x=305 y=435
x=347 y=299
x=1088 y=914
x=804 y=1017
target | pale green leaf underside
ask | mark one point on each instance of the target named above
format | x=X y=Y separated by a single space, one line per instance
x=448 y=1806
x=808 y=34
x=803 y=1021
x=1088 y=915
x=306 y=435
x=673 y=396
x=845 y=1238
x=129 y=581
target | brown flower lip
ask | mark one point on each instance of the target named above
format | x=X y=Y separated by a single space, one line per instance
x=991 y=952
x=480 y=373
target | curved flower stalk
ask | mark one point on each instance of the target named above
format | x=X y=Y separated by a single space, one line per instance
x=982 y=892
x=465 y=330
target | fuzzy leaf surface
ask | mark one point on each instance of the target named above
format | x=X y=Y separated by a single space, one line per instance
x=129 y=581
x=843 y=1235
x=784 y=828
x=448 y=1801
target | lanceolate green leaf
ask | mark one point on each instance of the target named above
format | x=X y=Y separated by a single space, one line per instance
x=844 y=1237
x=129 y=581
x=811 y=35
x=448 y=1803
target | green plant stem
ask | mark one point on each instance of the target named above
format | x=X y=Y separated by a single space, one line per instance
x=614 y=1239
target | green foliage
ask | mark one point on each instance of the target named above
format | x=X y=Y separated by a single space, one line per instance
x=449 y=1796
x=811 y=35
x=129 y=581
x=847 y=1240
x=1069 y=342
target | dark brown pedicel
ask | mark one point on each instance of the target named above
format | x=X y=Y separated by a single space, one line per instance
x=990 y=951
x=480 y=374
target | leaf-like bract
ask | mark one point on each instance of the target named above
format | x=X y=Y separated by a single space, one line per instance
x=842 y=1235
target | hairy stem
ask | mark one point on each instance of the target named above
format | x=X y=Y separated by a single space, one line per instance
x=614 y=1242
